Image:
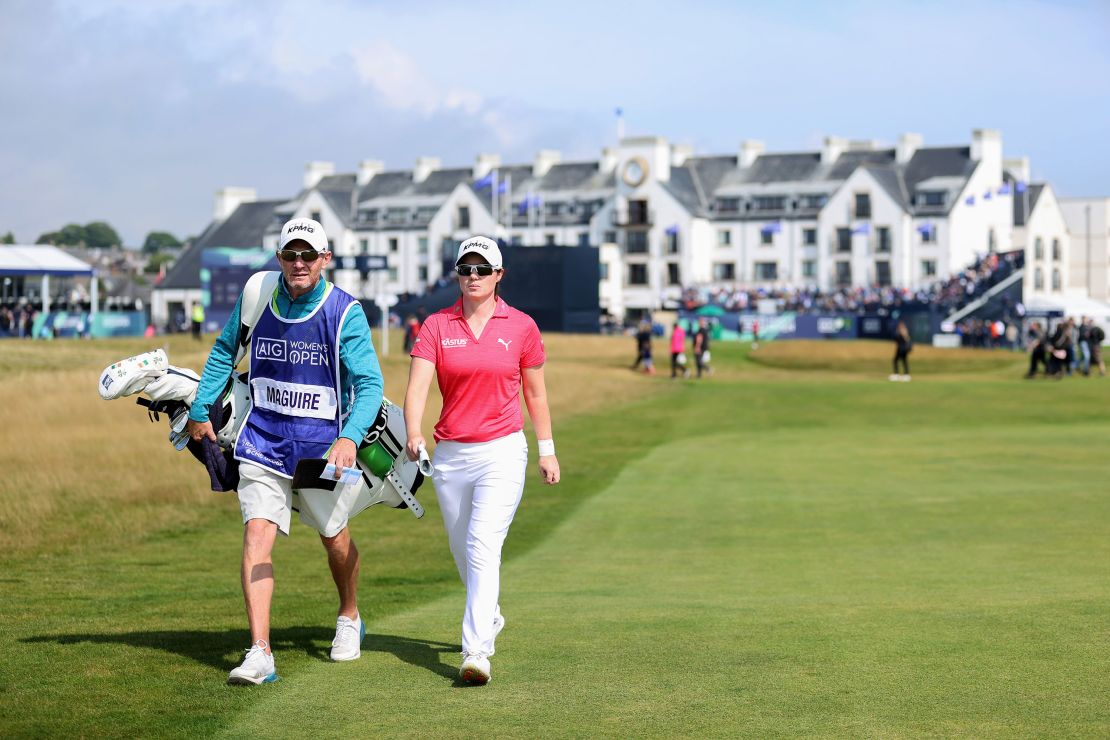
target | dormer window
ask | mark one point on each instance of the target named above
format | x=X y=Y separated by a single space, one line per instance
x=769 y=203
x=931 y=198
x=728 y=205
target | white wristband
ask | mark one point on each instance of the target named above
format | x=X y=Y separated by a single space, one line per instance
x=546 y=447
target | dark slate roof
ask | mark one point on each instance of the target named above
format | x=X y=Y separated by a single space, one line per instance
x=686 y=190
x=953 y=161
x=1027 y=200
x=386 y=184
x=243 y=228
x=340 y=202
x=441 y=182
x=891 y=181
x=847 y=162
x=344 y=181
x=568 y=176
x=708 y=172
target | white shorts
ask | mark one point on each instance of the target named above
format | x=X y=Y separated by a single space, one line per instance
x=264 y=494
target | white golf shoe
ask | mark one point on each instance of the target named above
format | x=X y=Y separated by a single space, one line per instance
x=349 y=634
x=475 y=669
x=258 y=667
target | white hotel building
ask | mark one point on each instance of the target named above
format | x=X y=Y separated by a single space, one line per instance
x=853 y=213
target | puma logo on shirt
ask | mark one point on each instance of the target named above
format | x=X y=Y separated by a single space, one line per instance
x=502 y=341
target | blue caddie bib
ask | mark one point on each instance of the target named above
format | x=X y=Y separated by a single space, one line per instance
x=295 y=392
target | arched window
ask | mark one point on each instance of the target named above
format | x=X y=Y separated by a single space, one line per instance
x=1038 y=279
x=1038 y=248
x=1055 y=279
x=1056 y=249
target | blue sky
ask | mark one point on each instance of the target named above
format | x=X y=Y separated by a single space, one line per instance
x=136 y=112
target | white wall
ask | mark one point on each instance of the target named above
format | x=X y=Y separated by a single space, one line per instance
x=1046 y=222
x=1097 y=240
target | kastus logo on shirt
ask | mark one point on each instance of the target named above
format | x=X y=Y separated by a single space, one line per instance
x=271 y=349
x=453 y=342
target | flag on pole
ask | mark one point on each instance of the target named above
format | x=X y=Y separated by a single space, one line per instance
x=672 y=229
x=987 y=195
x=863 y=228
x=484 y=182
x=970 y=200
x=1005 y=189
x=503 y=187
x=1021 y=186
x=774 y=227
x=926 y=229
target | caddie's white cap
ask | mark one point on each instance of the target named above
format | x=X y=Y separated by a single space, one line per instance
x=304 y=229
x=484 y=246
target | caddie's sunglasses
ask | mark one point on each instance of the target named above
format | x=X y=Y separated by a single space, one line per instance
x=290 y=255
x=479 y=270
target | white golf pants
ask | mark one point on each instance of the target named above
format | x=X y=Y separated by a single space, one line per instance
x=479 y=486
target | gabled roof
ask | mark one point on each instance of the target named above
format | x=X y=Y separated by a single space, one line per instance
x=891 y=181
x=244 y=228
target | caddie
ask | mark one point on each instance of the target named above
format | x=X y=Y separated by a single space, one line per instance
x=316 y=388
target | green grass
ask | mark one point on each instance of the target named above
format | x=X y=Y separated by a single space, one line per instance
x=773 y=551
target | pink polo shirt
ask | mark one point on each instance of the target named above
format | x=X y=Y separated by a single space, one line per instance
x=480 y=379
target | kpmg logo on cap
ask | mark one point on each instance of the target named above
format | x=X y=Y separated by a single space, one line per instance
x=476 y=243
x=301 y=227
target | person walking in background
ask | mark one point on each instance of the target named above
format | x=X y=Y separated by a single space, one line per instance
x=903 y=345
x=643 y=346
x=345 y=384
x=678 y=351
x=1083 y=334
x=1038 y=347
x=412 y=329
x=198 y=319
x=1059 y=350
x=701 y=347
x=483 y=353
x=1095 y=337
x=755 y=333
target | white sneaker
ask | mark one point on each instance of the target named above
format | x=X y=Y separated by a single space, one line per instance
x=895 y=377
x=349 y=634
x=257 y=667
x=905 y=378
x=498 y=625
x=475 y=669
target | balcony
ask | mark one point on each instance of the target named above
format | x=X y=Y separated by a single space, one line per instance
x=632 y=219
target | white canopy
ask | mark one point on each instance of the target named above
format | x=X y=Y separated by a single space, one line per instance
x=41 y=260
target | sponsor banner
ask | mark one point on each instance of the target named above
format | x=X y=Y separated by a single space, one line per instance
x=84 y=324
x=731 y=325
x=295 y=399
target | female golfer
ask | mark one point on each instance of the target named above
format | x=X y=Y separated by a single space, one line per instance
x=481 y=351
x=903 y=347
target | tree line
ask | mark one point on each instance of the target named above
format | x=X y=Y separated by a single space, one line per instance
x=98 y=235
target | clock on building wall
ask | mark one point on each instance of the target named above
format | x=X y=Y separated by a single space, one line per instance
x=635 y=172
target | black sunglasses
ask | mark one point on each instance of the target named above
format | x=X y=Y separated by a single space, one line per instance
x=479 y=270
x=290 y=255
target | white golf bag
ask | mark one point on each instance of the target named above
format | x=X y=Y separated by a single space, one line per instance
x=388 y=476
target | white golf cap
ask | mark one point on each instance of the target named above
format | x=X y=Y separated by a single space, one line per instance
x=306 y=230
x=484 y=246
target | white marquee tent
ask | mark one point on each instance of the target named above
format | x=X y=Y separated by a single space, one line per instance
x=45 y=261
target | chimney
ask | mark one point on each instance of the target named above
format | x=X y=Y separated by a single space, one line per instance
x=544 y=161
x=680 y=153
x=228 y=199
x=367 y=168
x=485 y=163
x=908 y=144
x=608 y=161
x=750 y=149
x=863 y=145
x=986 y=146
x=314 y=172
x=1018 y=167
x=424 y=167
x=833 y=148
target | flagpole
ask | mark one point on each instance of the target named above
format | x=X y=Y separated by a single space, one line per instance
x=496 y=215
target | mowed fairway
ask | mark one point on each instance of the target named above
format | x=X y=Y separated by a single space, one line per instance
x=794 y=546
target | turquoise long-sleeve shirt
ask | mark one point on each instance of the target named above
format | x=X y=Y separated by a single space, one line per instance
x=358 y=362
